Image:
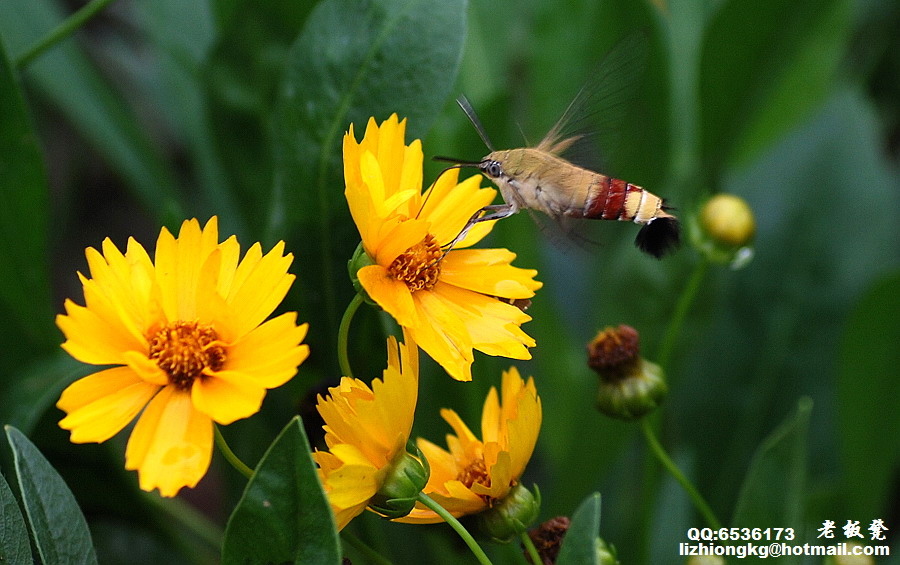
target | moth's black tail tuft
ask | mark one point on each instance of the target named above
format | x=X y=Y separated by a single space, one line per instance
x=659 y=237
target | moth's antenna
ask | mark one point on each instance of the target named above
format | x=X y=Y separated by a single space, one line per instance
x=473 y=117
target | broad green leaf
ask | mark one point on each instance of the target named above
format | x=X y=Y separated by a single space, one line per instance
x=580 y=544
x=283 y=516
x=24 y=277
x=15 y=548
x=764 y=69
x=74 y=85
x=36 y=387
x=241 y=78
x=773 y=489
x=867 y=389
x=57 y=525
x=389 y=57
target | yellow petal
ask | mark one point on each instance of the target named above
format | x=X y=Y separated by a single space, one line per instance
x=488 y=271
x=171 y=445
x=91 y=339
x=493 y=325
x=450 y=212
x=226 y=397
x=441 y=334
x=524 y=429
x=401 y=237
x=103 y=403
x=492 y=426
x=262 y=290
x=146 y=368
x=389 y=293
x=269 y=355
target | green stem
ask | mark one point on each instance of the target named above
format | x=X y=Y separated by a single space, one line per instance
x=62 y=31
x=686 y=484
x=529 y=547
x=344 y=333
x=454 y=523
x=230 y=456
x=681 y=309
x=370 y=554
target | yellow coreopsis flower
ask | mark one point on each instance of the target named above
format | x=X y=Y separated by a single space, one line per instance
x=475 y=475
x=450 y=302
x=366 y=430
x=188 y=339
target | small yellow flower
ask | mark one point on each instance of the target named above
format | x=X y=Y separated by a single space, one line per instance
x=366 y=430
x=450 y=303
x=187 y=338
x=475 y=475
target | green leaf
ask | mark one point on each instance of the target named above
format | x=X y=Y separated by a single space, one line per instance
x=74 y=85
x=241 y=78
x=283 y=516
x=24 y=278
x=773 y=489
x=15 y=548
x=580 y=544
x=764 y=69
x=867 y=386
x=57 y=525
x=388 y=57
x=36 y=387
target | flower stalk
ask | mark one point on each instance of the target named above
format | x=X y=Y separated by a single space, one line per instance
x=457 y=527
x=686 y=484
x=62 y=31
x=230 y=456
x=344 y=335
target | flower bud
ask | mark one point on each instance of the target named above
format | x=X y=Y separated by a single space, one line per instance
x=606 y=554
x=357 y=261
x=511 y=516
x=850 y=559
x=705 y=560
x=547 y=539
x=406 y=478
x=724 y=230
x=630 y=386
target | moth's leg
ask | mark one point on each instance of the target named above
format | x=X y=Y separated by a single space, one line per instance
x=490 y=212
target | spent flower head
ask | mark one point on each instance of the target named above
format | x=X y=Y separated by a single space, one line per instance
x=630 y=386
x=475 y=475
x=366 y=431
x=189 y=345
x=453 y=302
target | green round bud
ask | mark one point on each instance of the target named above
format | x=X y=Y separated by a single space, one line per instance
x=405 y=479
x=357 y=261
x=723 y=230
x=705 y=560
x=850 y=559
x=606 y=554
x=728 y=220
x=510 y=517
x=633 y=395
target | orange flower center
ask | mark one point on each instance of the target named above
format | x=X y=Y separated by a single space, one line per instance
x=184 y=349
x=474 y=473
x=419 y=266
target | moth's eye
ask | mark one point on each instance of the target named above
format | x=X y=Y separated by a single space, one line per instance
x=493 y=169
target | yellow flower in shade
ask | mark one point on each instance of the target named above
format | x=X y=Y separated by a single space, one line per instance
x=450 y=303
x=475 y=475
x=187 y=338
x=366 y=430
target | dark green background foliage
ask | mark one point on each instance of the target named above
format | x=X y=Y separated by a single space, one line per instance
x=784 y=381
